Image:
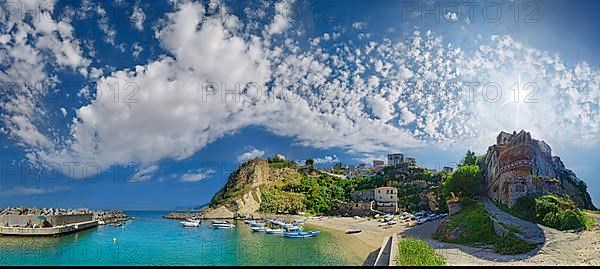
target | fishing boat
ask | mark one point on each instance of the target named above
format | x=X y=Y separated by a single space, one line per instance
x=192 y=223
x=274 y=231
x=219 y=222
x=353 y=231
x=258 y=229
x=257 y=224
x=301 y=234
x=248 y=221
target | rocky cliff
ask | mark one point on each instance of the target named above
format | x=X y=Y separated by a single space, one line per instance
x=518 y=165
x=241 y=195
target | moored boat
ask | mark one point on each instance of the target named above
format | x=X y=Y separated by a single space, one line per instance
x=274 y=231
x=301 y=234
x=294 y=229
x=353 y=231
x=190 y=223
x=258 y=229
x=223 y=225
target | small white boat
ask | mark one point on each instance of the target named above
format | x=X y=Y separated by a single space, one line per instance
x=219 y=222
x=259 y=229
x=100 y=222
x=191 y=223
x=257 y=224
x=223 y=225
x=274 y=231
x=294 y=229
x=248 y=221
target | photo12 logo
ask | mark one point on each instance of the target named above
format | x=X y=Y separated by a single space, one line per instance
x=469 y=11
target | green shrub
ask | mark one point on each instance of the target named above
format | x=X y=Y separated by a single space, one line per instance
x=466 y=181
x=550 y=210
x=511 y=245
x=415 y=252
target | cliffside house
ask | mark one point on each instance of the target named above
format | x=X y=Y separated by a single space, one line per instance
x=356 y=208
x=378 y=163
x=363 y=195
x=386 y=199
x=395 y=159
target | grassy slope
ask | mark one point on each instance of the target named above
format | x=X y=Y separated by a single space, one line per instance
x=476 y=227
x=415 y=252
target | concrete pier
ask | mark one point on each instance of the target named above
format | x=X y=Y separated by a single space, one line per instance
x=52 y=231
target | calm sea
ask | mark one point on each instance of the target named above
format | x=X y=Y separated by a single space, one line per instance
x=151 y=240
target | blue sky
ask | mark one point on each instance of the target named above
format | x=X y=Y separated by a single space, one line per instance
x=109 y=101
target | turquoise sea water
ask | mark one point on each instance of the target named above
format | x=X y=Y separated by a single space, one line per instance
x=151 y=240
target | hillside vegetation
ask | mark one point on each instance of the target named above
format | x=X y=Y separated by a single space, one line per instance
x=550 y=210
x=473 y=226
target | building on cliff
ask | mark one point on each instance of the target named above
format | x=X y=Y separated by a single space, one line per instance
x=384 y=199
x=518 y=165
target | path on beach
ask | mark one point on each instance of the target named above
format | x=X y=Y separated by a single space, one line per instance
x=529 y=231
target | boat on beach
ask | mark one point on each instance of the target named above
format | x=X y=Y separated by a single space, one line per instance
x=353 y=231
x=301 y=234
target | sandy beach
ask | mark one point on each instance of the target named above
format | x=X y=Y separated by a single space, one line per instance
x=365 y=244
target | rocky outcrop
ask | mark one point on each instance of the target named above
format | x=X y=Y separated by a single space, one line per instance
x=241 y=195
x=518 y=165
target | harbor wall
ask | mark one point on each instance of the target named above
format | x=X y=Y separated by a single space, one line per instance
x=53 y=231
x=55 y=220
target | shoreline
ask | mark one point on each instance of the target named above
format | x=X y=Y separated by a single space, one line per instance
x=365 y=245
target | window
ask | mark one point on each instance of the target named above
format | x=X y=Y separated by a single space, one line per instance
x=391 y=197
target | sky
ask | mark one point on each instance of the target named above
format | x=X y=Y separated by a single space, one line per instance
x=151 y=104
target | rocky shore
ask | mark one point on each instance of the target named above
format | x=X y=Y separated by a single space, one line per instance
x=44 y=211
x=111 y=216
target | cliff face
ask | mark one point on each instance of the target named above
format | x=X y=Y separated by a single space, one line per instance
x=518 y=165
x=241 y=195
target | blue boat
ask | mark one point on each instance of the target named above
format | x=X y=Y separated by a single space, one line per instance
x=302 y=234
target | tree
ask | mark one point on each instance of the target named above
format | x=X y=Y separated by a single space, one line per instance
x=309 y=162
x=470 y=158
x=466 y=181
